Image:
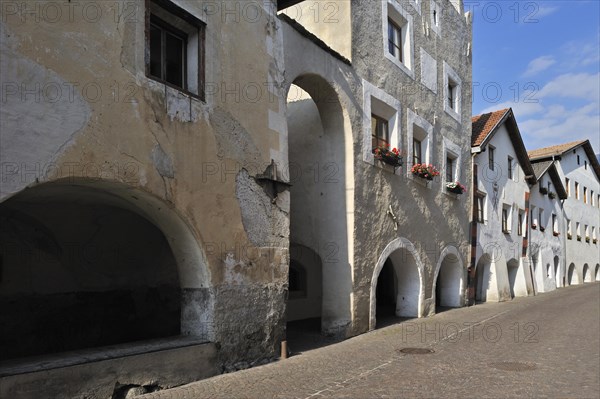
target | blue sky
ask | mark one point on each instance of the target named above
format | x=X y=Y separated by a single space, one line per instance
x=542 y=58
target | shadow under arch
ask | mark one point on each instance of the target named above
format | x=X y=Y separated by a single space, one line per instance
x=572 y=276
x=398 y=244
x=597 y=272
x=453 y=277
x=321 y=194
x=192 y=271
x=483 y=277
x=587 y=274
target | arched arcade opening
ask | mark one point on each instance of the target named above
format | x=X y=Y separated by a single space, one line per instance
x=320 y=152
x=84 y=266
x=449 y=284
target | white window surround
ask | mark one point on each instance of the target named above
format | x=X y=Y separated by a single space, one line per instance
x=451 y=75
x=454 y=151
x=436 y=27
x=426 y=138
x=395 y=11
x=380 y=103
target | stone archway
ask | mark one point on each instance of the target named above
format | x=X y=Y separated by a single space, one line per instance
x=483 y=278
x=111 y=264
x=408 y=271
x=572 y=276
x=319 y=157
x=449 y=279
x=587 y=274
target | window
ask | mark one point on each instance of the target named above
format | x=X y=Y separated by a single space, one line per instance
x=505 y=220
x=585 y=165
x=598 y=201
x=416 y=149
x=568 y=186
x=569 y=230
x=592 y=198
x=436 y=17
x=576 y=190
x=541 y=219
x=578 y=228
x=587 y=233
x=549 y=187
x=419 y=138
x=534 y=219
x=520 y=224
x=452 y=96
x=380 y=133
x=449 y=169
x=479 y=207
x=578 y=161
x=397 y=35
x=381 y=123
x=585 y=195
x=395 y=40
x=510 y=167
x=555 y=225
x=451 y=91
x=491 y=157
x=175 y=47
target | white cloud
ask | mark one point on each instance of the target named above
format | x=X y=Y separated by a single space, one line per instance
x=559 y=125
x=544 y=12
x=573 y=85
x=538 y=65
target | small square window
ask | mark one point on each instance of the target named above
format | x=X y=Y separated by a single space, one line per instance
x=452 y=92
x=505 y=220
x=479 y=208
x=380 y=132
x=417 y=154
x=449 y=169
x=175 y=47
x=395 y=40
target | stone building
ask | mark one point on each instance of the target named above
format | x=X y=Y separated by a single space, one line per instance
x=579 y=171
x=168 y=166
x=502 y=175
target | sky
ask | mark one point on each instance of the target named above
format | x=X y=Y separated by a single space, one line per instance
x=542 y=58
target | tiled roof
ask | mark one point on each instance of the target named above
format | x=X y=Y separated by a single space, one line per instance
x=553 y=150
x=484 y=124
x=540 y=168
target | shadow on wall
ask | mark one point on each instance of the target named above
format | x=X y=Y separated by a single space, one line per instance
x=82 y=270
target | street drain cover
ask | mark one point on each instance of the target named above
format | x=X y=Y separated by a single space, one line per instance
x=514 y=366
x=415 y=351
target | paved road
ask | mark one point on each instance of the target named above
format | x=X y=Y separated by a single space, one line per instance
x=543 y=346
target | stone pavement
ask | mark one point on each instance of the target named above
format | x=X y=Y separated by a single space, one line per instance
x=543 y=346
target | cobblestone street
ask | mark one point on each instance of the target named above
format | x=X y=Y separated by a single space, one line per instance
x=543 y=346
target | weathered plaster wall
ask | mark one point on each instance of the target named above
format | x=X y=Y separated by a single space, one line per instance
x=195 y=160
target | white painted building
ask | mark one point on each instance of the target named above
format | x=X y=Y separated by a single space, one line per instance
x=501 y=176
x=546 y=233
x=579 y=170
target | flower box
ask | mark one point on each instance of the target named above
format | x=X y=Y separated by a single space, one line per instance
x=424 y=171
x=390 y=157
x=569 y=236
x=578 y=238
x=534 y=226
x=551 y=195
x=543 y=190
x=595 y=240
x=542 y=228
x=556 y=234
x=455 y=188
x=587 y=239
